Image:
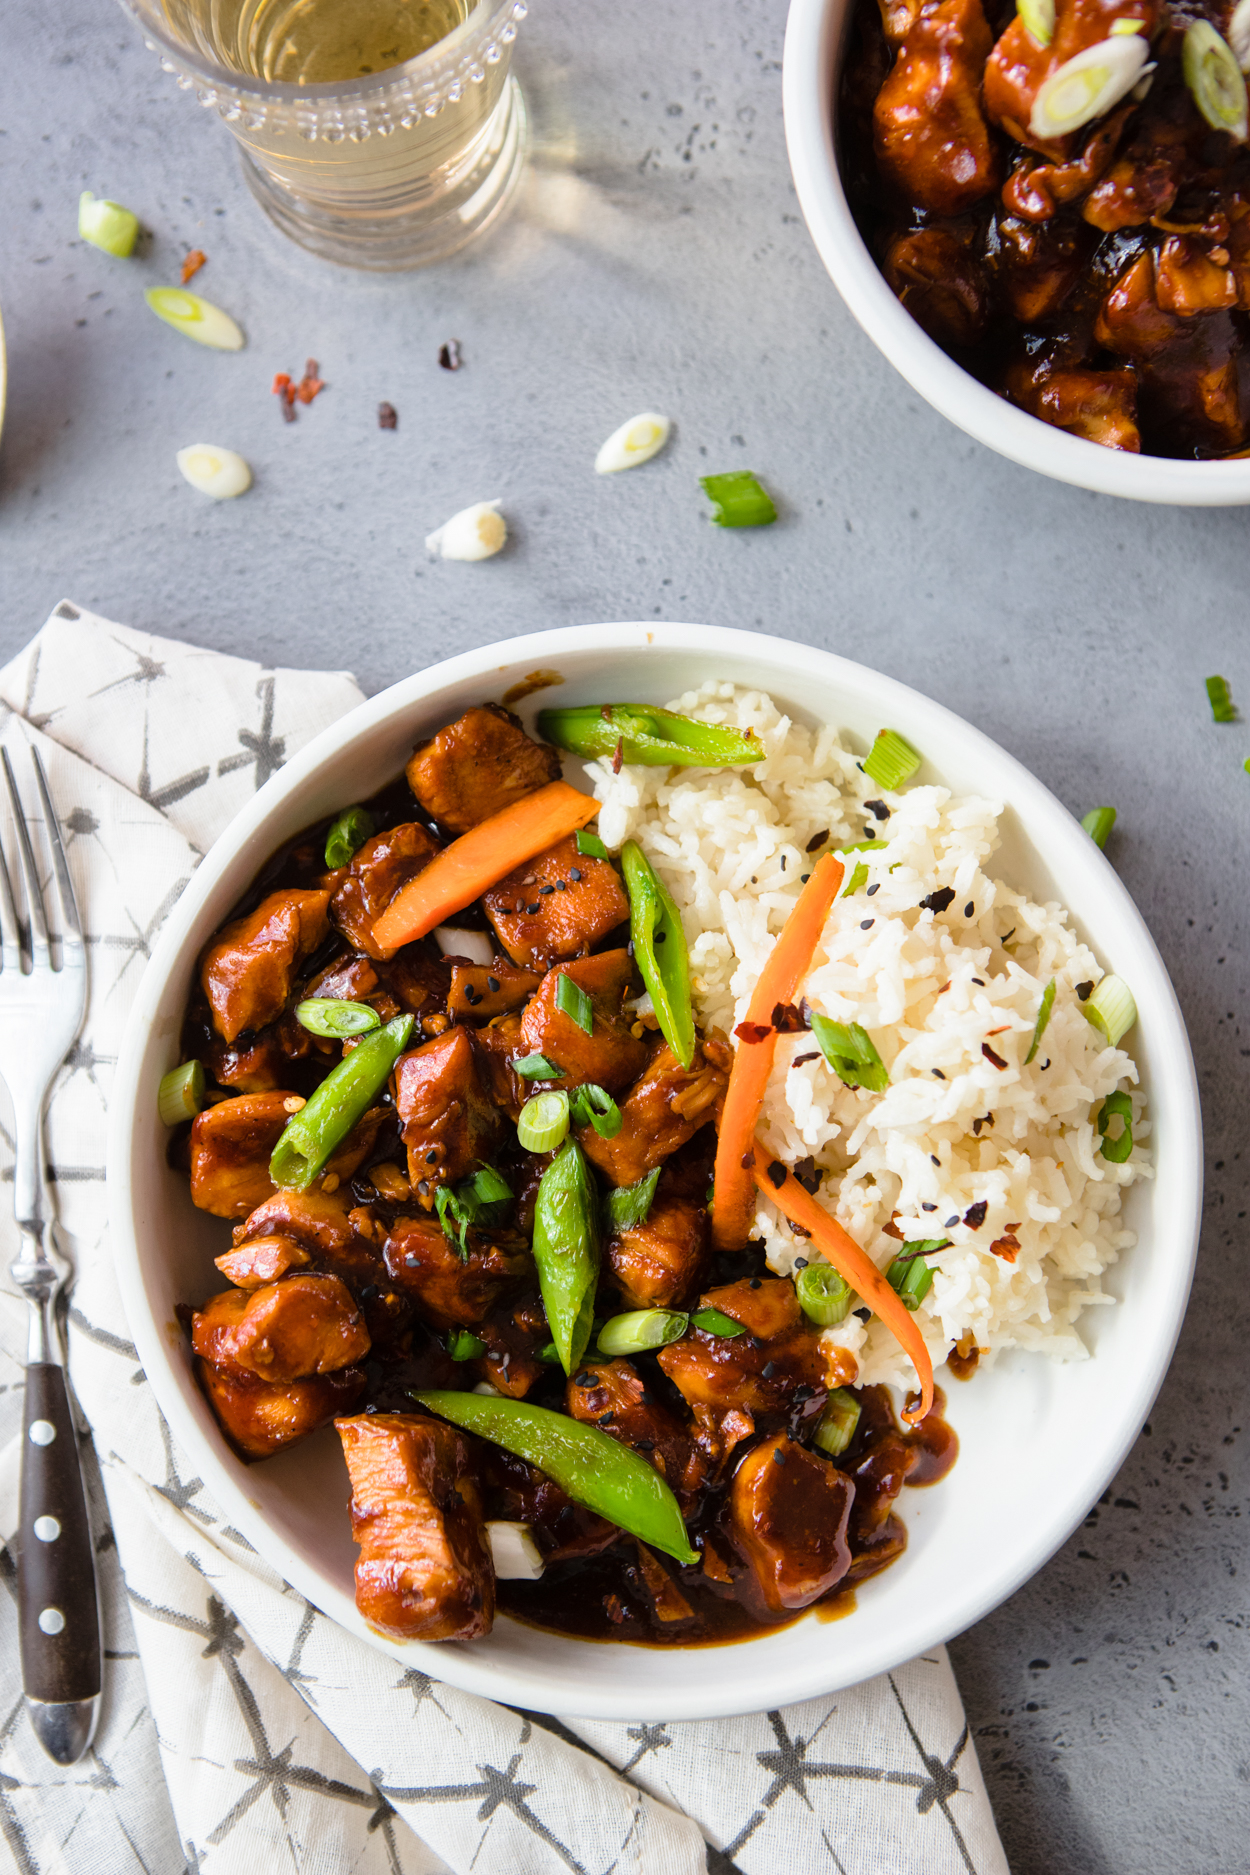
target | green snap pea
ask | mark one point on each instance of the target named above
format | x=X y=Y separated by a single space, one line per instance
x=311 y=1135
x=352 y=828
x=566 y=1251
x=655 y=738
x=660 y=951
x=591 y=1467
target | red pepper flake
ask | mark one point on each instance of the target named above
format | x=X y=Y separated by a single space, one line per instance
x=788 y=1019
x=310 y=383
x=282 y=387
x=777 y=1173
x=748 y=1160
x=994 y=1060
x=1008 y=1245
x=1001 y=1030
x=449 y=355
x=388 y=417
x=618 y=755
x=892 y=1230
x=192 y=262
x=752 y=1031
x=974 y=1216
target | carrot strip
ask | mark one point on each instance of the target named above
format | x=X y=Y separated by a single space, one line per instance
x=855 y=1267
x=734 y=1203
x=479 y=859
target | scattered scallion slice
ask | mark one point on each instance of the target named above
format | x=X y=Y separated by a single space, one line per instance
x=180 y=1095
x=909 y=1275
x=347 y=834
x=481 y=1200
x=196 y=318
x=854 y=880
x=739 y=499
x=107 y=225
x=628 y=1204
x=211 y=470
x=1116 y=1106
x=837 y=1422
x=712 y=1322
x=824 y=1296
x=1085 y=87
x=1239 y=34
x=333 y=1017
x=1111 y=1008
x=635 y=442
x=592 y=1105
x=891 y=760
x=1038 y=19
x=590 y=844
x=473 y=534
x=543 y=1121
x=536 y=1068
x=1223 y=709
x=572 y=1001
x=849 y=1051
x=1098 y=824
x=1043 y=1017
x=1214 y=78
x=463 y=1346
x=639 y=1330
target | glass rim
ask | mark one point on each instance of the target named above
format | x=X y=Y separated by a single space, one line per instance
x=438 y=61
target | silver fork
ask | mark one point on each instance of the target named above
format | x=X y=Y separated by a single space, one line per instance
x=41 y=1012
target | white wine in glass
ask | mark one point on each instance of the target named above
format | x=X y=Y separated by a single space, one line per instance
x=315 y=42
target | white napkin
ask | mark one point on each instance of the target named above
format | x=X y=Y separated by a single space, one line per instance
x=242 y=1730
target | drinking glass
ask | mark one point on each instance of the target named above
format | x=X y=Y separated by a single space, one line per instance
x=387 y=170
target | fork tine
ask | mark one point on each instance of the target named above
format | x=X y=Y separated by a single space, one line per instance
x=10 y=930
x=72 y=935
x=40 y=955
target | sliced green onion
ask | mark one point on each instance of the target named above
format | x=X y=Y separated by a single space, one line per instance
x=1214 y=79
x=479 y=1201
x=490 y=1186
x=349 y=832
x=332 y=1016
x=592 y=1105
x=1087 y=86
x=219 y=473
x=909 y=1275
x=1239 y=33
x=855 y=880
x=1125 y=26
x=462 y=1346
x=1098 y=824
x=640 y=1329
x=543 y=1121
x=660 y=951
x=891 y=760
x=824 y=1296
x=180 y=1095
x=739 y=499
x=572 y=1001
x=1043 y=1017
x=549 y=1353
x=629 y=1204
x=1116 y=1106
x=1038 y=19
x=1111 y=1008
x=712 y=1322
x=311 y=1135
x=837 y=1423
x=590 y=845
x=537 y=1068
x=850 y=1053
x=651 y=737
x=189 y=314
x=107 y=225
x=1223 y=709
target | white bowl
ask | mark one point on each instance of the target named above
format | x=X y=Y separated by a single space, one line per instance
x=1039 y=1441
x=815 y=34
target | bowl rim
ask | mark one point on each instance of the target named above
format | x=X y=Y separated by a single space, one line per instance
x=815 y=33
x=586 y=1693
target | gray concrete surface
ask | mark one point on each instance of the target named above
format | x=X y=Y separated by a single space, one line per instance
x=658 y=259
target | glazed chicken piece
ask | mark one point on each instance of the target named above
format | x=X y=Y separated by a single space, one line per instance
x=320 y=1223
x=1037 y=267
x=480 y=991
x=556 y=906
x=378 y=870
x=659 y=1263
x=1133 y=190
x=450 y=1123
x=288 y=1330
x=1101 y=406
x=767 y=1369
x=422 y=1260
x=477 y=766
x=425 y=1570
x=1018 y=67
x=609 y=1055
x=262 y=1063
x=1188 y=281
x=928 y=129
x=353 y=979
x=788 y=1513
x=1188 y=366
x=260 y=1418
x=1033 y=191
x=231 y=1146
x=611 y=1394
x=513 y=1336
x=1130 y=319
x=262 y=1260
x=663 y=1109
x=249 y=968
x=517 y=1492
x=941 y=283
x=497 y=1046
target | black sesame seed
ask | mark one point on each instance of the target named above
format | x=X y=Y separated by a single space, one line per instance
x=783 y=862
x=779 y=1456
x=769 y=1369
x=368 y=1293
x=979 y=982
x=951 y=1222
x=1085 y=991
x=605 y=1419
x=659 y=937
x=800 y=1263
x=492 y=984
x=531 y=909
x=935 y=1158
x=472 y=996
x=878 y=809
x=560 y=886
x=872 y=889
x=644 y=1445
x=586 y=1379
x=754 y=1283
x=928 y=1207
x=817 y=839
x=804 y=877
x=545 y=891
x=866 y=924
x=754 y=880
x=431 y=1157
x=969 y=909
x=575 y=873
x=937 y=1073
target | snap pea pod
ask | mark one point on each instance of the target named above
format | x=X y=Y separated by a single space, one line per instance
x=591 y=1467
x=566 y=1251
x=311 y=1135
x=655 y=738
x=660 y=951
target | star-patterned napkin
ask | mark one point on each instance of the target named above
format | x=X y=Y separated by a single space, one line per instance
x=241 y=1729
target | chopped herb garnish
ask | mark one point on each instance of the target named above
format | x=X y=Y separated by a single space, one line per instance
x=1098 y=824
x=481 y=1200
x=1223 y=709
x=739 y=499
x=591 y=1105
x=712 y=1322
x=107 y=225
x=629 y=1204
x=1111 y=1008
x=1116 y=1106
x=537 y=1068
x=347 y=834
x=849 y=1051
x=463 y=1346
x=891 y=761
x=572 y=1001
x=591 y=845
x=909 y=1275
x=1043 y=1017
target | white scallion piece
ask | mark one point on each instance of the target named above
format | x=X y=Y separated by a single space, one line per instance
x=1088 y=85
x=1239 y=34
x=474 y=945
x=189 y=314
x=1126 y=26
x=517 y=1557
x=221 y=473
x=107 y=225
x=1038 y=19
x=638 y=440
x=1213 y=75
x=1111 y=1008
x=473 y=534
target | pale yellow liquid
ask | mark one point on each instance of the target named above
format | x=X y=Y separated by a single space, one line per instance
x=315 y=42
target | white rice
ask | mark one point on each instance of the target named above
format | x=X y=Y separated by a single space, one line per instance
x=731 y=847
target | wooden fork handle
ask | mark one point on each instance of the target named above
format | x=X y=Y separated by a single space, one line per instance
x=56 y=1588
